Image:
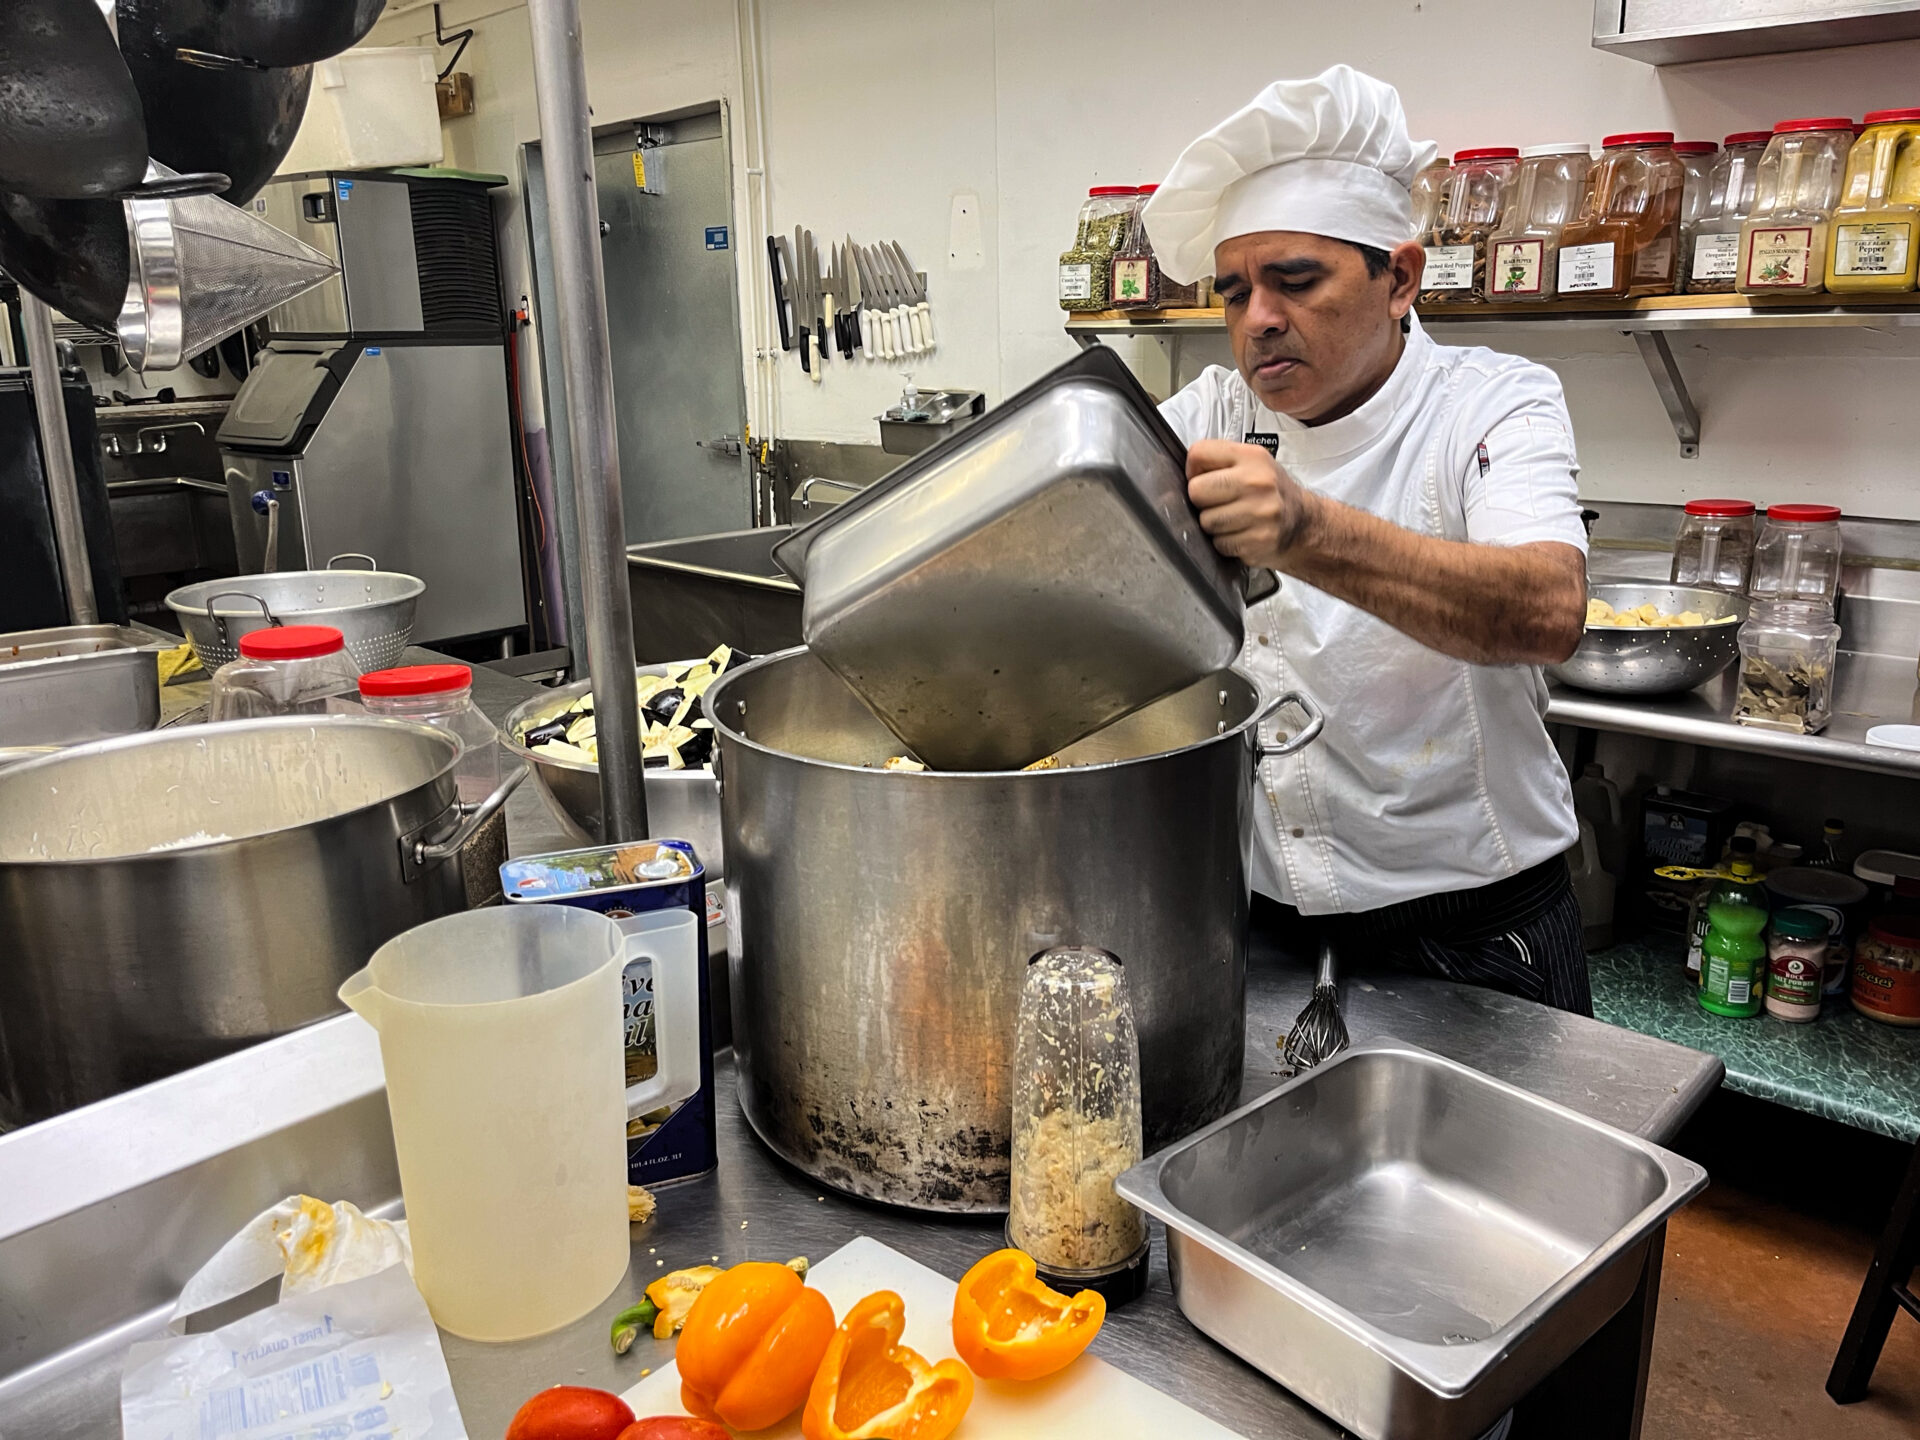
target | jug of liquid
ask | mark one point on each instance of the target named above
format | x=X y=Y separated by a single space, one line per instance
x=502 y=1038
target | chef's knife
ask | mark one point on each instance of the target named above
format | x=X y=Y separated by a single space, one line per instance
x=855 y=339
x=922 y=311
x=888 y=319
x=860 y=296
x=839 y=305
x=817 y=345
x=910 y=336
x=873 y=301
x=802 y=307
x=829 y=307
x=779 y=292
x=909 y=288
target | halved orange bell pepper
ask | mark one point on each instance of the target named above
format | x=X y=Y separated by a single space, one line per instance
x=1008 y=1324
x=751 y=1345
x=871 y=1386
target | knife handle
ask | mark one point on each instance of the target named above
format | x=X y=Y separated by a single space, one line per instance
x=866 y=331
x=919 y=335
x=890 y=340
x=925 y=313
x=779 y=295
x=819 y=354
x=800 y=339
x=904 y=320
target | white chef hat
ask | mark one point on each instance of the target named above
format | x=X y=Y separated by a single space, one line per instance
x=1327 y=156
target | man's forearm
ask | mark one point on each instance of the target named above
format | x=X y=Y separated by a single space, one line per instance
x=1488 y=604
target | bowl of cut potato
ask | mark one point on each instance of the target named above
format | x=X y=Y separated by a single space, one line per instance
x=1644 y=639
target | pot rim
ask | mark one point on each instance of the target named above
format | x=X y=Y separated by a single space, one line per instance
x=275 y=722
x=1261 y=695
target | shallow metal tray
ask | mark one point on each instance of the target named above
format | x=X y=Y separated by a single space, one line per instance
x=1025 y=582
x=71 y=683
x=1403 y=1242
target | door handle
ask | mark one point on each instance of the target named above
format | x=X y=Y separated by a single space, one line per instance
x=727 y=445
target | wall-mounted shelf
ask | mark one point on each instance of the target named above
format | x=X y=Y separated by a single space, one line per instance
x=1679 y=32
x=1648 y=321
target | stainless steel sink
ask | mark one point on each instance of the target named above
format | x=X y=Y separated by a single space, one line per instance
x=706 y=590
x=1405 y=1243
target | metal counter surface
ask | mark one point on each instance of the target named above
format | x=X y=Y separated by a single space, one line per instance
x=753 y=1207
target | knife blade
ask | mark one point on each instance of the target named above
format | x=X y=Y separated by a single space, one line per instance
x=829 y=306
x=802 y=309
x=859 y=324
x=890 y=304
x=817 y=347
x=903 y=314
x=871 y=301
x=779 y=291
x=916 y=297
x=840 y=303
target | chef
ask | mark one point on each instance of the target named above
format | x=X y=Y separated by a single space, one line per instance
x=1419 y=503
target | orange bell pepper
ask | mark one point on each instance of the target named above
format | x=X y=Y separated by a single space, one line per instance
x=751 y=1345
x=1008 y=1324
x=871 y=1386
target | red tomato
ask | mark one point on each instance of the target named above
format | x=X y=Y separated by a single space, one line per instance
x=570 y=1412
x=673 y=1427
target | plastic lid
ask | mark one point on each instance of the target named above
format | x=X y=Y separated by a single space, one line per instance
x=1149 y=189
x=1881 y=867
x=1895 y=737
x=1487 y=152
x=1114 y=190
x=291 y=642
x=1825 y=122
x=1890 y=117
x=1748 y=137
x=1733 y=508
x=1804 y=514
x=1801 y=924
x=1694 y=147
x=1804 y=885
x=1638 y=137
x=416 y=680
x=1564 y=147
x=1902 y=930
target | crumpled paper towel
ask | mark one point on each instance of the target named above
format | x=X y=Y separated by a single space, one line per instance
x=308 y=1243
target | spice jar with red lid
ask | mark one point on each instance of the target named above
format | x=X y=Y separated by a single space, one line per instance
x=1714 y=549
x=1710 y=260
x=284 y=670
x=1783 y=244
x=1626 y=239
x=1471 y=203
x=1798 y=554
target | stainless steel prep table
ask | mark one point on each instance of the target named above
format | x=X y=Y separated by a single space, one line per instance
x=175 y=1200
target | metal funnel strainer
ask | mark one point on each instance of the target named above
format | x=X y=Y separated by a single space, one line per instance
x=200 y=270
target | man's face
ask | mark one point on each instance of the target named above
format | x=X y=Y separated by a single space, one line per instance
x=1313 y=332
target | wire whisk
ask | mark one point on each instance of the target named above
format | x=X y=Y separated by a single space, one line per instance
x=1320 y=1031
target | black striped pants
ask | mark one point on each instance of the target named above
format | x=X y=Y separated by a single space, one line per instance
x=1520 y=935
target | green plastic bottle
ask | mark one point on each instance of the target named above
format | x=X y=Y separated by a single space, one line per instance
x=1733 y=968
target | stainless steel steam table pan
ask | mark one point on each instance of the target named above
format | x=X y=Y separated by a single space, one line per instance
x=1032 y=578
x=71 y=683
x=1403 y=1242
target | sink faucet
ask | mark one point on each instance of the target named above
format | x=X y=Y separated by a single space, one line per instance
x=160 y=433
x=806 y=487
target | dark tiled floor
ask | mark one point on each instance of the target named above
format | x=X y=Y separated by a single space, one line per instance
x=1761 y=1275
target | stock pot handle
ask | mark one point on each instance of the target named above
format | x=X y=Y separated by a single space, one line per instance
x=417 y=855
x=371 y=564
x=1316 y=722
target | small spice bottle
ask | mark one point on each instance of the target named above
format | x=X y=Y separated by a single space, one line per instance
x=1085 y=270
x=1470 y=209
x=1796 y=964
x=1783 y=244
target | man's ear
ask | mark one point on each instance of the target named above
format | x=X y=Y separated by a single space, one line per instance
x=1406 y=265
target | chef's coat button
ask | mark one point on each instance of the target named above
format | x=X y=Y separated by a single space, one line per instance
x=1298 y=833
x=1264 y=640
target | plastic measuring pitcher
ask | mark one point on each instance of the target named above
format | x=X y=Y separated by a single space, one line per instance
x=502 y=1038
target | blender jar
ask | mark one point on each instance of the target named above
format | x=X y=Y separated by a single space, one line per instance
x=1076 y=1125
x=1714 y=549
x=1712 y=251
x=1548 y=189
x=1787 y=654
x=1797 y=556
x=1783 y=244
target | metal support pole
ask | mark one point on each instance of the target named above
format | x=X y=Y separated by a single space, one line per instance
x=1671 y=386
x=573 y=227
x=56 y=458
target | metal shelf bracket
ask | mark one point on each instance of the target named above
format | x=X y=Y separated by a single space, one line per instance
x=1671 y=386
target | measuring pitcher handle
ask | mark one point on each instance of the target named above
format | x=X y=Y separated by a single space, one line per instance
x=670 y=939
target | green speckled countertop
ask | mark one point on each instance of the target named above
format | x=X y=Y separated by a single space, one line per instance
x=1842 y=1066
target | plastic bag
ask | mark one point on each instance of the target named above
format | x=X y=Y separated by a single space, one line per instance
x=307 y=1242
x=360 y=1359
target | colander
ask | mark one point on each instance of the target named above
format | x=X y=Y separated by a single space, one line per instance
x=371 y=608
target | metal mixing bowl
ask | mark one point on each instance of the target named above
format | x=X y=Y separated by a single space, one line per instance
x=682 y=803
x=1655 y=660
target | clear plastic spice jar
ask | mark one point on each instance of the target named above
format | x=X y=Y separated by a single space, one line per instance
x=1456 y=241
x=1549 y=187
x=1135 y=281
x=1787 y=653
x=1871 y=248
x=1796 y=964
x=1626 y=239
x=1172 y=292
x=1076 y=1125
x=1783 y=244
x=1696 y=158
x=1085 y=269
x=1714 y=549
x=284 y=670
x=1798 y=554
x=1427 y=189
x=1712 y=252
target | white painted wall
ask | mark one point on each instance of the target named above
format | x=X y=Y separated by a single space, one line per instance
x=881 y=114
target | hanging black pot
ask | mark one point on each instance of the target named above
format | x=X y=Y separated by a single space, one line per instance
x=70 y=119
x=257 y=34
x=70 y=253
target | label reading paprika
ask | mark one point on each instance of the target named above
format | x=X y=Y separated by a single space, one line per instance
x=1586 y=267
x=1516 y=267
x=1871 y=249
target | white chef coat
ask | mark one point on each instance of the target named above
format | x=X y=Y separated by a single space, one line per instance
x=1432 y=774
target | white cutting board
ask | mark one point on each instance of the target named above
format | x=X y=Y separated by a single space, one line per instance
x=1089 y=1400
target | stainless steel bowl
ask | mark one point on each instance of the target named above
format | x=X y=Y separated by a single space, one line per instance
x=1657 y=660
x=684 y=804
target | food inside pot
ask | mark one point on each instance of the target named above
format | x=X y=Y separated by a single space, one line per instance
x=676 y=732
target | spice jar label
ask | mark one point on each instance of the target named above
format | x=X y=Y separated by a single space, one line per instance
x=1874 y=249
x=1716 y=257
x=1778 y=258
x=1076 y=282
x=1586 y=267
x=1129 y=282
x=1794 y=979
x=1516 y=267
x=1654 y=261
x=1449 y=267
